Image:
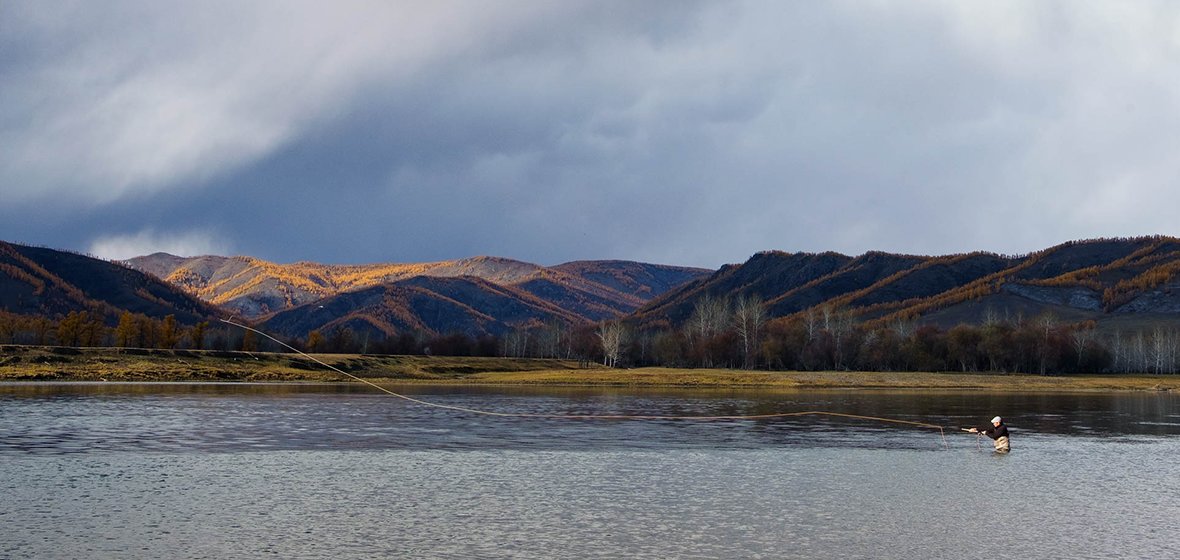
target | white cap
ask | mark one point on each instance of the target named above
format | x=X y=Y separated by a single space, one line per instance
x=996 y=419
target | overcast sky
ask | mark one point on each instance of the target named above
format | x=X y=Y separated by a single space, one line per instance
x=667 y=132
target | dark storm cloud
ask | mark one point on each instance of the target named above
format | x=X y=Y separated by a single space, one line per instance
x=667 y=132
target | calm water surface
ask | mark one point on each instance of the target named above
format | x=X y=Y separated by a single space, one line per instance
x=336 y=471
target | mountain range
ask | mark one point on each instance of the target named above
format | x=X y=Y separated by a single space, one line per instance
x=1117 y=283
x=475 y=296
x=1114 y=282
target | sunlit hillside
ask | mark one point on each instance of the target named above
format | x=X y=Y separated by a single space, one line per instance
x=590 y=290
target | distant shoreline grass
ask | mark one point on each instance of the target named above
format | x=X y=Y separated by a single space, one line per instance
x=38 y=363
x=721 y=378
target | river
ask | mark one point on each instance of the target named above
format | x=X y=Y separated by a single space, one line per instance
x=341 y=471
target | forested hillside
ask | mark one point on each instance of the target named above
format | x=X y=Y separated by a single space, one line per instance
x=254 y=288
x=40 y=281
x=1104 y=305
x=1096 y=305
x=1098 y=279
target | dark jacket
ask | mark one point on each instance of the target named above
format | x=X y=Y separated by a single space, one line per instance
x=994 y=432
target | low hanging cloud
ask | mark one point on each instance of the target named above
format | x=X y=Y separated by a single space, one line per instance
x=183 y=244
x=681 y=132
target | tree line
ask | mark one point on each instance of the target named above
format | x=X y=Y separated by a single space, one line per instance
x=719 y=333
x=135 y=330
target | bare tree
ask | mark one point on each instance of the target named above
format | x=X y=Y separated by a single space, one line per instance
x=749 y=316
x=1115 y=344
x=990 y=317
x=644 y=343
x=1138 y=357
x=838 y=324
x=515 y=343
x=1162 y=350
x=811 y=324
x=1081 y=338
x=549 y=338
x=1045 y=323
x=709 y=317
x=1167 y=361
x=611 y=335
x=903 y=328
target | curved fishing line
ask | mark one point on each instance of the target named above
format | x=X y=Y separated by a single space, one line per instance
x=978 y=438
x=940 y=429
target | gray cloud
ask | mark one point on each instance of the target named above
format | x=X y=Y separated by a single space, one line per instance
x=683 y=133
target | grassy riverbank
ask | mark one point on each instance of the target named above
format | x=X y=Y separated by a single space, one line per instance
x=718 y=378
x=35 y=363
x=40 y=363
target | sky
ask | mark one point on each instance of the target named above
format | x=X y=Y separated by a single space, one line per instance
x=679 y=132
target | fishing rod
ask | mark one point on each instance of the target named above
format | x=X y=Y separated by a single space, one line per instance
x=385 y=390
x=978 y=437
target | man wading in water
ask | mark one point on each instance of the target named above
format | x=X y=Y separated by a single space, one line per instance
x=997 y=431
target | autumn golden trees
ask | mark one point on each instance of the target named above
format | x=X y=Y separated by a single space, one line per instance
x=719 y=333
x=80 y=328
x=87 y=329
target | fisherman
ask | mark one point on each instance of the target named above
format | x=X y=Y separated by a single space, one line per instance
x=997 y=431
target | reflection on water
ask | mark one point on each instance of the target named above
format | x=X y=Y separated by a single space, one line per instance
x=339 y=471
x=57 y=418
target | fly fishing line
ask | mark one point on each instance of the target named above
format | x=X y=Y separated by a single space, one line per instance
x=385 y=390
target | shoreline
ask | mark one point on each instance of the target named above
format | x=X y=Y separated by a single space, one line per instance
x=63 y=364
x=24 y=363
x=852 y=380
